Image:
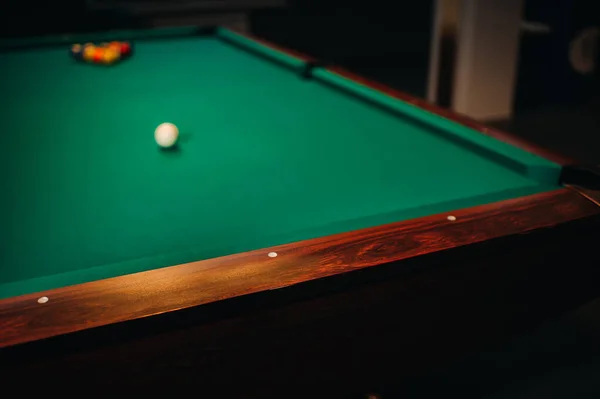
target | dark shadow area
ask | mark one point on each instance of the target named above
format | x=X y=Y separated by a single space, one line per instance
x=375 y=40
x=557 y=101
x=560 y=359
x=65 y=16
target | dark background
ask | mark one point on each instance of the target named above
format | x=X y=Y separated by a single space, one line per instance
x=554 y=107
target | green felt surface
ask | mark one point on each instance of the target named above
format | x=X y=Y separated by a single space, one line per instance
x=265 y=158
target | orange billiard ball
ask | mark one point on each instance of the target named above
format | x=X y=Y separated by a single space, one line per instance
x=115 y=46
x=98 y=55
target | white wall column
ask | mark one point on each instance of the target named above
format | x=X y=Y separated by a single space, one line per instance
x=487 y=58
x=484 y=36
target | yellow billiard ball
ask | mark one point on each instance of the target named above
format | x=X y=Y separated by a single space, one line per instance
x=88 y=52
x=110 y=56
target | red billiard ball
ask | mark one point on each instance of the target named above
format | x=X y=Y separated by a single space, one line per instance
x=125 y=50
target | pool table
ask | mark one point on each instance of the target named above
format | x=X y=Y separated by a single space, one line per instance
x=309 y=226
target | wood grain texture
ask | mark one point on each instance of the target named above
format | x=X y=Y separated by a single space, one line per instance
x=388 y=326
x=426 y=105
x=145 y=294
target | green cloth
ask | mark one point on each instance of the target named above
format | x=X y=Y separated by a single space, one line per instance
x=265 y=157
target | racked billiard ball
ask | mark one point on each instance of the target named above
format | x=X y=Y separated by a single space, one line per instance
x=88 y=52
x=110 y=56
x=125 y=50
x=77 y=51
x=115 y=46
x=98 y=55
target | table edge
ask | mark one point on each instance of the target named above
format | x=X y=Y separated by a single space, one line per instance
x=452 y=115
x=592 y=195
x=130 y=297
x=98 y=303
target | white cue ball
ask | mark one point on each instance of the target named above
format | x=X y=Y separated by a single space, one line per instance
x=166 y=135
